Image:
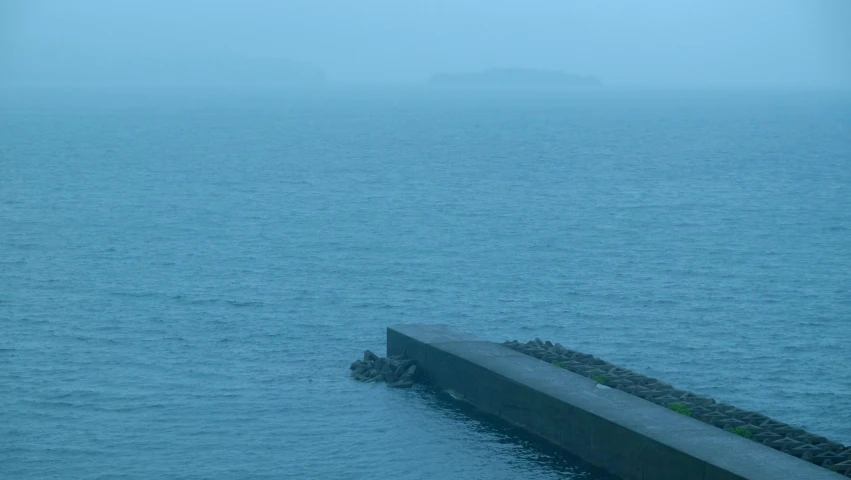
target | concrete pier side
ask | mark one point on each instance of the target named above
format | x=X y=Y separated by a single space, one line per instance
x=623 y=434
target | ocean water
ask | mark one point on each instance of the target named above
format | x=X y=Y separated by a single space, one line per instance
x=185 y=277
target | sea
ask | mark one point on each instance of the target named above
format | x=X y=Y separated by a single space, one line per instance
x=186 y=276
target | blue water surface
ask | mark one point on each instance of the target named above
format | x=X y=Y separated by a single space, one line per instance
x=186 y=276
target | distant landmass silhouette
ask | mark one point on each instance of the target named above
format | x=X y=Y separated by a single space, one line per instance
x=513 y=78
x=172 y=70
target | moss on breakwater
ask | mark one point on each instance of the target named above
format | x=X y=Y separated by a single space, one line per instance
x=680 y=408
x=741 y=431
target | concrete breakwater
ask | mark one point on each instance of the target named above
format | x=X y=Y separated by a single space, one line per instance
x=751 y=425
x=628 y=436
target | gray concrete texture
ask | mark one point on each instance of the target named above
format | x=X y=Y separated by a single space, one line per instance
x=623 y=434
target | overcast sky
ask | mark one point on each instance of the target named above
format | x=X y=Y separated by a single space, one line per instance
x=624 y=42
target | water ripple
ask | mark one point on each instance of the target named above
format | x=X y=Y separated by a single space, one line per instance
x=185 y=284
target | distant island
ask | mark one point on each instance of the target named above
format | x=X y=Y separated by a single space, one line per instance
x=513 y=78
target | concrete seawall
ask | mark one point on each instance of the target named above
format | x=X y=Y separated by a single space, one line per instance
x=623 y=434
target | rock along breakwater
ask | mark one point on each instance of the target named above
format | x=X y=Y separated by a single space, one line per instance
x=398 y=371
x=751 y=425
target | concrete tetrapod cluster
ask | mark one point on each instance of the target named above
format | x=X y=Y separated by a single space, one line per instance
x=752 y=425
x=398 y=372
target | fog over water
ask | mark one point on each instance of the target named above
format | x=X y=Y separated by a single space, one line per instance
x=661 y=43
x=210 y=208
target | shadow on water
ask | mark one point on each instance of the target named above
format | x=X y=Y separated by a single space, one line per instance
x=527 y=447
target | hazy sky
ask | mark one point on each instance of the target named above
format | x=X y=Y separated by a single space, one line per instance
x=624 y=42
